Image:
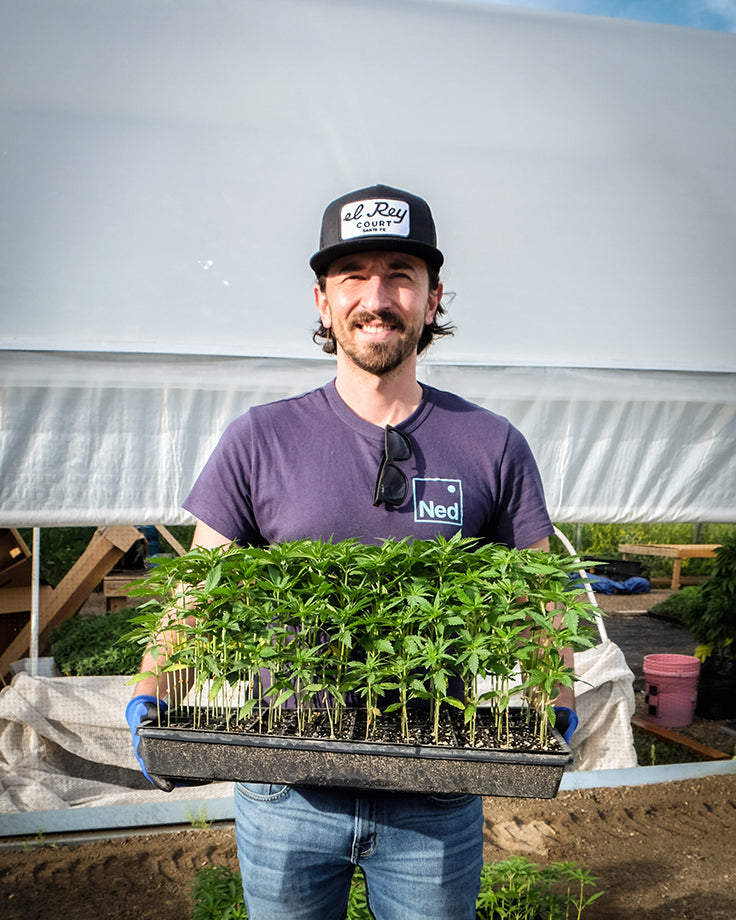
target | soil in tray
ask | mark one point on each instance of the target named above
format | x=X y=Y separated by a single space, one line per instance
x=453 y=732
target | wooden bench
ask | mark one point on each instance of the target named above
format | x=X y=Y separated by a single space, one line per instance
x=675 y=551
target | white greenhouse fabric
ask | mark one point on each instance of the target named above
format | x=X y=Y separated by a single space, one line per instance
x=164 y=169
x=118 y=439
x=162 y=174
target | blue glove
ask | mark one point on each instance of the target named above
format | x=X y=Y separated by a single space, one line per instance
x=138 y=710
x=566 y=721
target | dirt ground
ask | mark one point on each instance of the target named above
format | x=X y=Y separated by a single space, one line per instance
x=659 y=852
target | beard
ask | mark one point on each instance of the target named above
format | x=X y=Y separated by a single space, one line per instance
x=379 y=358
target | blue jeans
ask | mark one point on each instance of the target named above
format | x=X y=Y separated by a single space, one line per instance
x=298 y=847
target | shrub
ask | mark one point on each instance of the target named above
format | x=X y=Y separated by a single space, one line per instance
x=90 y=645
x=61 y=547
x=685 y=606
x=218 y=894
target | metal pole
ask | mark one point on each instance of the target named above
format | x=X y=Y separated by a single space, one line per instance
x=35 y=593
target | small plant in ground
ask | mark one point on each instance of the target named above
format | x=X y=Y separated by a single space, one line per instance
x=218 y=895
x=197 y=817
x=316 y=626
x=655 y=753
x=516 y=889
x=39 y=842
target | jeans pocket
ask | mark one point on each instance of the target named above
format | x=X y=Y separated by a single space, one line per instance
x=451 y=799
x=263 y=792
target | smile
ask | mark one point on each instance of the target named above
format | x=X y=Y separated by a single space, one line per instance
x=376 y=328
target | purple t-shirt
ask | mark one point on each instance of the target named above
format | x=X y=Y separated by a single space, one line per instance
x=306 y=467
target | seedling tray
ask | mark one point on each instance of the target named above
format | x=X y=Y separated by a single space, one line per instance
x=203 y=754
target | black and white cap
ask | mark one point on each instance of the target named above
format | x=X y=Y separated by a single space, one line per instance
x=377 y=218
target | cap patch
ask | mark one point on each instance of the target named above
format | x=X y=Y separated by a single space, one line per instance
x=374 y=216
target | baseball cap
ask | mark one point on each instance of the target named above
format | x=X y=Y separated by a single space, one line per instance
x=377 y=218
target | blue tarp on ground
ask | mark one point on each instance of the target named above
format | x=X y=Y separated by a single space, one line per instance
x=601 y=585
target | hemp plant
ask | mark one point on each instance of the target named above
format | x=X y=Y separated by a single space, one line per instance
x=316 y=626
x=517 y=889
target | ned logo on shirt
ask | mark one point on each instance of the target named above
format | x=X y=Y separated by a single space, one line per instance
x=438 y=501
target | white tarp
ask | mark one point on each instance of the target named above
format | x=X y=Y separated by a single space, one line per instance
x=90 y=439
x=604 y=702
x=163 y=168
x=64 y=741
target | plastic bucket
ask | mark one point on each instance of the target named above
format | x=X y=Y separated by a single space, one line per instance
x=671 y=688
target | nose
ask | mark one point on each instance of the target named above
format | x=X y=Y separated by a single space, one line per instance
x=375 y=293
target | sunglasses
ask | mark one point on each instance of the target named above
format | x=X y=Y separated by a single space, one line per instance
x=391 y=484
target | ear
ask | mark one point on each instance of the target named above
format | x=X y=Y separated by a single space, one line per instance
x=433 y=301
x=323 y=307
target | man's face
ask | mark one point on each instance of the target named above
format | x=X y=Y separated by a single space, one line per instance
x=377 y=304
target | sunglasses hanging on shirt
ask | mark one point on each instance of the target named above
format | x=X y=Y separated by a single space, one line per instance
x=391 y=483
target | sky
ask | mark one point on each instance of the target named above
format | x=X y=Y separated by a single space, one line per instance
x=718 y=15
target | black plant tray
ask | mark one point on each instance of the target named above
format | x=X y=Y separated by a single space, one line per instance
x=178 y=753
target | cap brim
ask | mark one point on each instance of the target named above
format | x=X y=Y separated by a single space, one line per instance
x=321 y=260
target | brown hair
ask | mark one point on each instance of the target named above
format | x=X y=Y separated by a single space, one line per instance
x=431 y=331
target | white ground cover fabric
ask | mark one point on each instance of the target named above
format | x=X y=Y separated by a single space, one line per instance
x=604 y=701
x=64 y=742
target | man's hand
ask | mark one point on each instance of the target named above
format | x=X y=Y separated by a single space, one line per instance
x=566 y=721
x=138 y=710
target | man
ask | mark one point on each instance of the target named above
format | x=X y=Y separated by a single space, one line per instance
x=372 y=455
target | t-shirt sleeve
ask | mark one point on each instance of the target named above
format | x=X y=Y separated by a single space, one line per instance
x=221 y=496
x=521 y=517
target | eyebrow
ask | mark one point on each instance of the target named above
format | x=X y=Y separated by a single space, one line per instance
x=400 y=262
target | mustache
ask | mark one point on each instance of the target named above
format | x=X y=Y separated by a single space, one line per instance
x=385 y=316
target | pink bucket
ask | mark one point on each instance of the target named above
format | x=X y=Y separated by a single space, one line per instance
x=671 y=688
